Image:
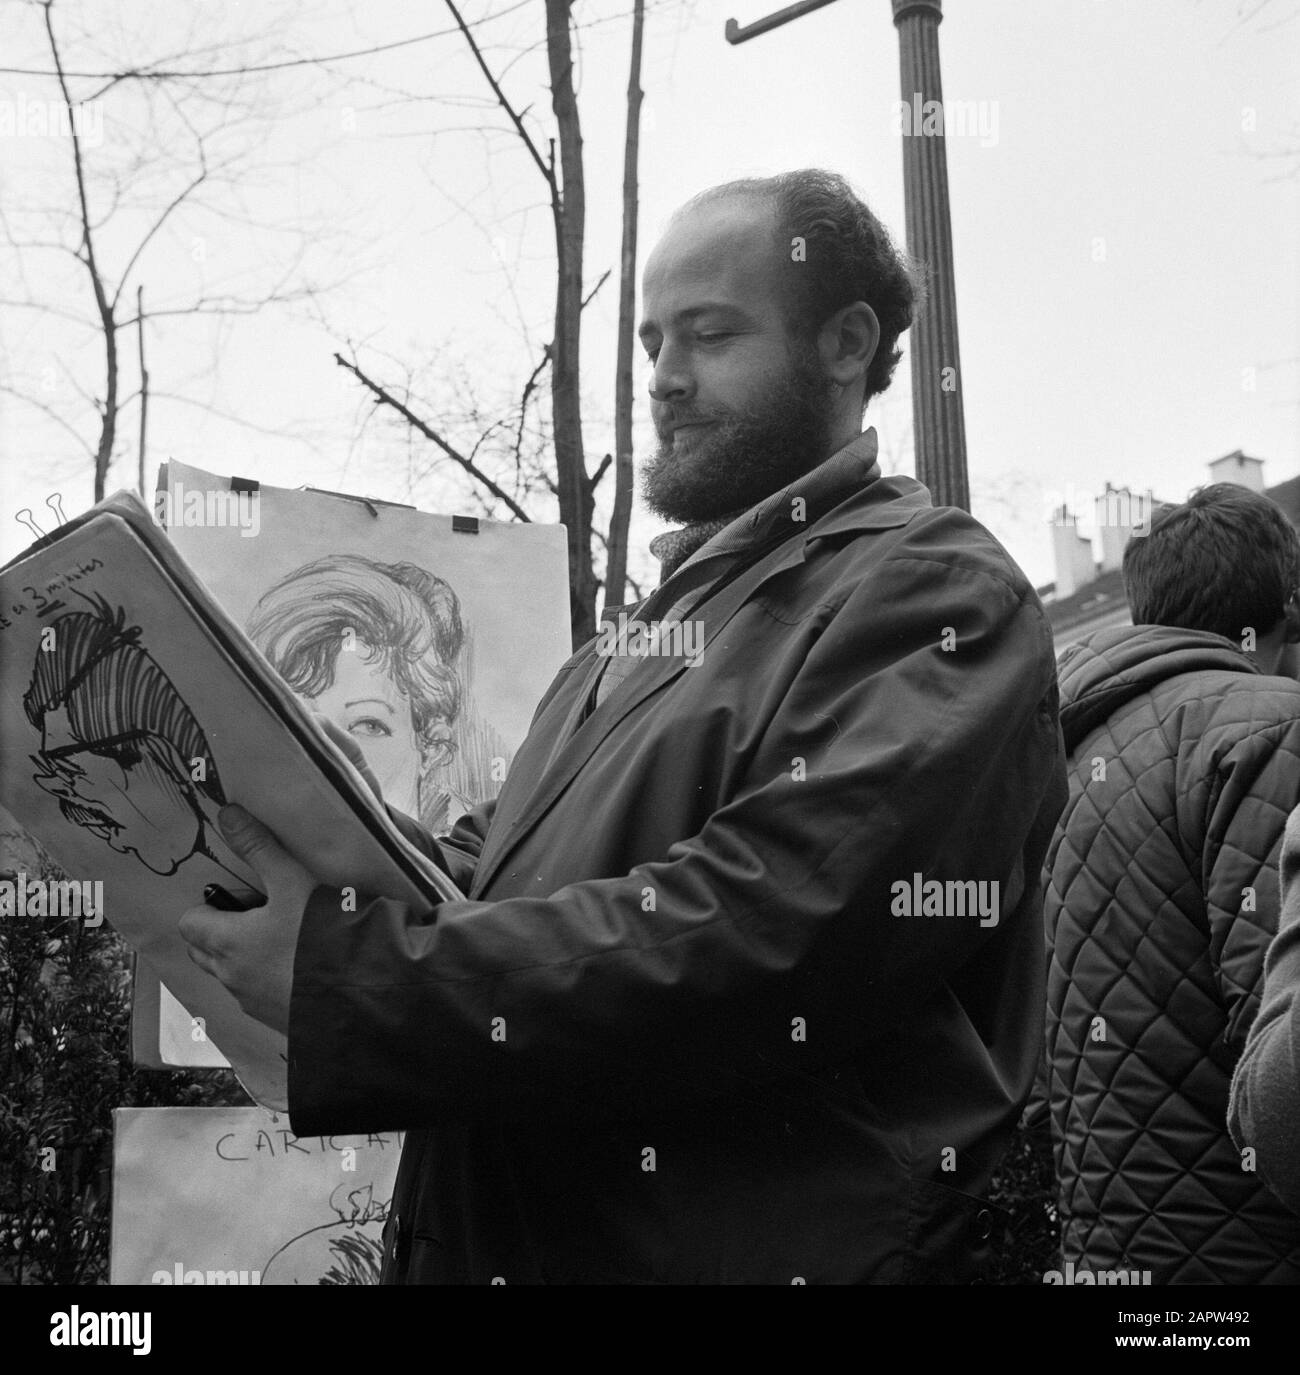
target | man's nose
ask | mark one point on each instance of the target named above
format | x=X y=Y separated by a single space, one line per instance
x=671 y=379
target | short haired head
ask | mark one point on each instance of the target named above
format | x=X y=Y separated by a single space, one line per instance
x=119 y=703
x=846 y=255
x=120 y=751
x=1224 y=560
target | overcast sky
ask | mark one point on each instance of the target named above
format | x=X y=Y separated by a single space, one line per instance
x=1125 y=231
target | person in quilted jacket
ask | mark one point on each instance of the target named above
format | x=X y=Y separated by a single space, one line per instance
x=1264 y=1110
x=1161 y=897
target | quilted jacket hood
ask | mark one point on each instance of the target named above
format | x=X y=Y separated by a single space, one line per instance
x=1101 y=674
x=1160 y=902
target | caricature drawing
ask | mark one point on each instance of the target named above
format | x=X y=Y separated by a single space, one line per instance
x=380 y=649
x=348 y=1250
x=120 y=750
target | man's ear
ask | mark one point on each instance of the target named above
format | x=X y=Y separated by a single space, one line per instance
x=1291 y=615
x=847 y=343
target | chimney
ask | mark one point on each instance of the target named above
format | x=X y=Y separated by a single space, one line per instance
x=1072 y=554
x=1237 y=467
x=1120 y=513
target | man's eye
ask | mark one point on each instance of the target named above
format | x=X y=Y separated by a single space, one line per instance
x=713 y=336
x=369 y=728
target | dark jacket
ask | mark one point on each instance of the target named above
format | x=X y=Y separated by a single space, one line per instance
x=676 y=1033
x=1264 y=1108
x=1161 y=897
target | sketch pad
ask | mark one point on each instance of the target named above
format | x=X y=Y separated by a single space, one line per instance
x=232 y=1194
x=125 y=730
x=458 y=623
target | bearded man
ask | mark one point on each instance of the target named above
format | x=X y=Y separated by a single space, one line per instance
x=748 y=984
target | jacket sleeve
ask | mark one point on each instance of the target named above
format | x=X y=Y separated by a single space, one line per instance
x=1264 y=1109
x=918 y=741
x=1257 y=785
x=457 y=852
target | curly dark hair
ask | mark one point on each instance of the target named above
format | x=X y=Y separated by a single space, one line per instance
x=847 y=256
x=1226 y=559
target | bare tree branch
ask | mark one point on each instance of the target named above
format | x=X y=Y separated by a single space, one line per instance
x=104 y=453
x=546 y=168
x=159 y=73
x=67 y=315
x=386 y=398
x=587 y=299
x=529 y=387
x=51 y=413
x=175 y=202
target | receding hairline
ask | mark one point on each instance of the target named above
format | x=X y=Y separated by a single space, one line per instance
x=789 y=295
x=727 y=194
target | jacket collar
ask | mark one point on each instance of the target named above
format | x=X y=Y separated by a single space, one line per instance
x=845 y=492
x=881 y=503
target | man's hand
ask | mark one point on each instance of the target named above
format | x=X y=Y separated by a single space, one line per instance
x=252 y=952
x=349 y=748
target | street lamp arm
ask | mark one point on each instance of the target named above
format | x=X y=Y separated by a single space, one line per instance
x=737 y=33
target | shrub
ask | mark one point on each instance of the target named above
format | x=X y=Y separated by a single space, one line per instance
x=65 y=1065
x=1024 y=1188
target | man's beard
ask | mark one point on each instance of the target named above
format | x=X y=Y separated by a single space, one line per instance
x=740 y=459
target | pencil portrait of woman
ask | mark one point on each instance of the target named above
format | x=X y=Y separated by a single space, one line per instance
x=379 y=649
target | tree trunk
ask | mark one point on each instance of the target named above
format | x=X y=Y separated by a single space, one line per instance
x=616 y=566
x=144 y=389
x=108 y=429
x=566 y=408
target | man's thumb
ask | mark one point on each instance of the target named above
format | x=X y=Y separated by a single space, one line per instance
x=249 y=839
